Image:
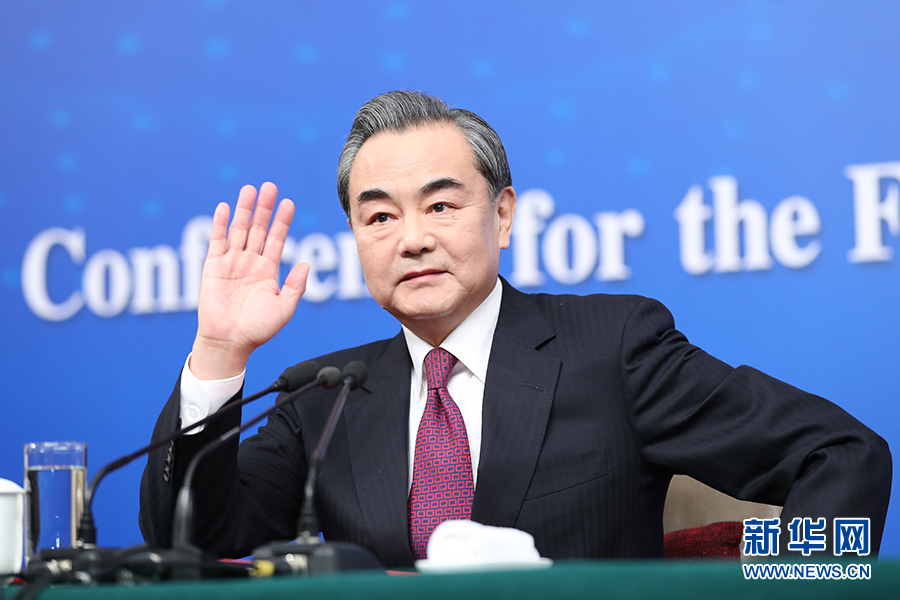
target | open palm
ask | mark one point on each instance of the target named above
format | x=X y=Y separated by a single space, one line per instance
x=241 y=306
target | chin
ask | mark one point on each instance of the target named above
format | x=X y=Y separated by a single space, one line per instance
x=422 y=314
x=421 y=309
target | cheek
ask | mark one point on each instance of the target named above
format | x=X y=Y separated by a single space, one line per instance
x=372 y=265
x=482 y=243
x=473 y=257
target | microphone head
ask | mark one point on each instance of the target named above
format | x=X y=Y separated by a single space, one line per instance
x=355 y=374
x=297 y=376
x=330 y=377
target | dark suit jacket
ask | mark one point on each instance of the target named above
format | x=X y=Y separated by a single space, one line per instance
x=590 y=405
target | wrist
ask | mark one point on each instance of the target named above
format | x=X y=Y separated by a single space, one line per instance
x=216 y=360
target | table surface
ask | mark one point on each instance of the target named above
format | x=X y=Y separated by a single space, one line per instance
x=570 y=579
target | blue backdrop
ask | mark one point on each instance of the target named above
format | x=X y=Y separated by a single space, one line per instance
x=737 y=160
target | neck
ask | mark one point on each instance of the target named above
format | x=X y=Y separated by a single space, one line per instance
x=436 y=329
x=430 y=331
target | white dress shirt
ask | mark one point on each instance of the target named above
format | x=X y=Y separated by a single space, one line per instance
x=470 y=343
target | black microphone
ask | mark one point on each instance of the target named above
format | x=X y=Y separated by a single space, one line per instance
x=86 y=562
x=309 y=554
x=328 y=377
x=291 y=379
x=353 y=376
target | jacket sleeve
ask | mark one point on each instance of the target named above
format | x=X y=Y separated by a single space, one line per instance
x=238 y=505
x=157 y=482
x=748 y=434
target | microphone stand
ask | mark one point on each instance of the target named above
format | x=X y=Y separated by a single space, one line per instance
x=292 y=378
x=86 y=563
x=187 y=556
x=308 y=554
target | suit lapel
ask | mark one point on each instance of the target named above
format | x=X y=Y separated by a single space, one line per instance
x=378 y=430
x=518 y=395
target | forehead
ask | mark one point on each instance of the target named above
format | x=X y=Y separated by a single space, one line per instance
x=414 y=155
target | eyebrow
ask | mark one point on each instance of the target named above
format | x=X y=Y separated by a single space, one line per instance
x=439 y=184
x=430 y=187
x=373 y=194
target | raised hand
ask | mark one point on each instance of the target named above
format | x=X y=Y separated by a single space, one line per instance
x=241 y=306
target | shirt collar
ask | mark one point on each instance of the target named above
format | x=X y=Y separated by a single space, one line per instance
x=470 y=342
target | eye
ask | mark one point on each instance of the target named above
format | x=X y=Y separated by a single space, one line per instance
x=439 y=207
x=379 y=218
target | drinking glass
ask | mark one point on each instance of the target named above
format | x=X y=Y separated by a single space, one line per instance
x=55 y=474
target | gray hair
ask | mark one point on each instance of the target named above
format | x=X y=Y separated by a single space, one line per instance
x=400 y=111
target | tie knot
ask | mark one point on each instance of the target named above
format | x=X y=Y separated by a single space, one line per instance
x=438 y=364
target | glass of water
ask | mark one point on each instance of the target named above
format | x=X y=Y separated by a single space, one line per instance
x=55 y=474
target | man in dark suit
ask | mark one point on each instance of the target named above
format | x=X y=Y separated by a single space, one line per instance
x=564 y=416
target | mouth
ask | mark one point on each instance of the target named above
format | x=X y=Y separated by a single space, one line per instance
x=421 y=276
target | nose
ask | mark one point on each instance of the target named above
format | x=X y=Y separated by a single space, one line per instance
x=416 y=237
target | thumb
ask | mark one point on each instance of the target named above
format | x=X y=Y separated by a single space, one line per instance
x=295 y=285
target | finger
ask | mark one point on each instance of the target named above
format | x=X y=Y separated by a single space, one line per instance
x=278 y=231
x=262 y=214
x=237 y=233
x=219 y=230
x=294 y=287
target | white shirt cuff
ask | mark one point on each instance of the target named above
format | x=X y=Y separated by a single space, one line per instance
x=200 y=398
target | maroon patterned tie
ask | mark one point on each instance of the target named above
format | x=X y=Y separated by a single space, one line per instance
x=442 y=487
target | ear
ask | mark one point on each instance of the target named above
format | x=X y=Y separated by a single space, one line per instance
x=506 y=209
